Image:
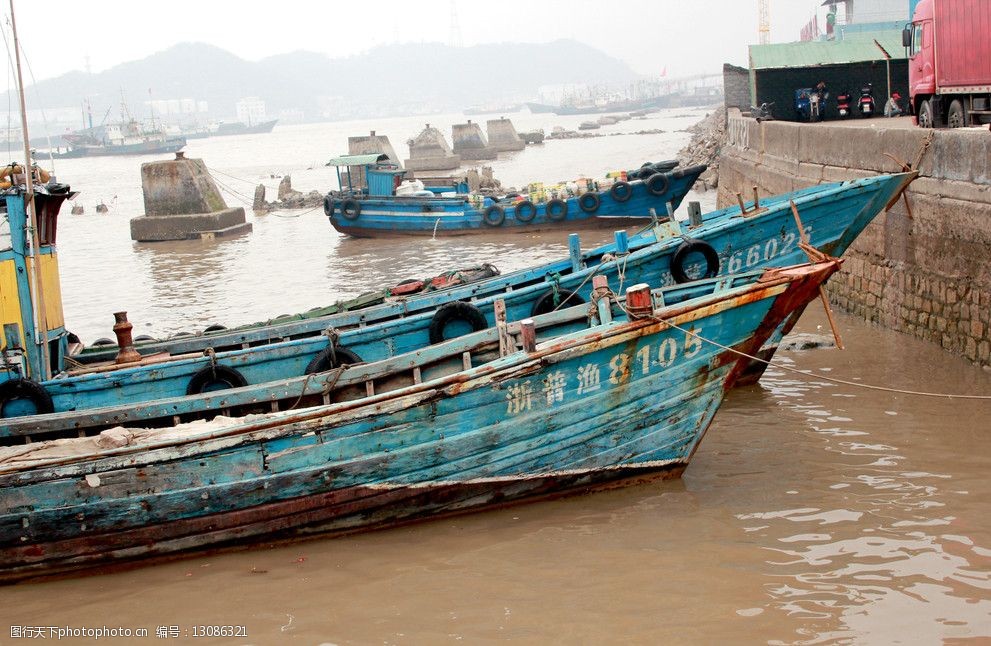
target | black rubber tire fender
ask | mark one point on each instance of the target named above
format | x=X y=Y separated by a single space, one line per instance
x=565 y=298
x=216 y=327
x=560 y=213
x=351 y=209
x=330 y=358
x=657 y=184
x=26 y=389
x=328 y=206
x=646 y=172
x=494 y=216
x=621 y=191
x=689 y=246
x=102 y=342
x=455 y=311
x=525 y=211
x=215 y=375
x=589 y=202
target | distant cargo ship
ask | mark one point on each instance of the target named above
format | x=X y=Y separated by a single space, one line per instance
x=238 y=128
x=655 y=102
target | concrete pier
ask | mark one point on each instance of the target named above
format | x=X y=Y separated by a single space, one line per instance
x=470 y=143
x=920 y=270
x=429 y=151
x=503 y=136
x=182 y=202
x=365 y=145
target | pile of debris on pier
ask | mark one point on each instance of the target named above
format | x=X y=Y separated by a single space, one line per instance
x=704 y=148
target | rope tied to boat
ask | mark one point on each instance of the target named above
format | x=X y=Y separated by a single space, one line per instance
x=328 y=385
x=212 y=355
x=332 y=338
x=555 y=281
x=808 y=373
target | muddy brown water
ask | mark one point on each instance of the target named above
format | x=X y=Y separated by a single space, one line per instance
x=813 y=513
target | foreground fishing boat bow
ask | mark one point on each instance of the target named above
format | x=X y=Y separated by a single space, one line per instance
x=573 y=398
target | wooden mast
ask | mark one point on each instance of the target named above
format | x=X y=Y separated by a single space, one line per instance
x=34 y=256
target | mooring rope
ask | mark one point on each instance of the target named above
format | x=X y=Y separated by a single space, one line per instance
x=251 y=201
x=807 y=373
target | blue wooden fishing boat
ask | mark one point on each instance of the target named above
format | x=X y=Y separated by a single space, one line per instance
x=376 y=206
x=670 y=252
x=566 y=400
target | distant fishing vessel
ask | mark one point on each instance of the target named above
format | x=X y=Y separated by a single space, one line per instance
x=126 y=138
x=389 y=206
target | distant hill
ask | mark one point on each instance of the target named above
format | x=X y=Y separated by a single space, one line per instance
x=388 y=80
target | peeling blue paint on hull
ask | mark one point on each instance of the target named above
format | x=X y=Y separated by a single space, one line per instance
x=584 y=408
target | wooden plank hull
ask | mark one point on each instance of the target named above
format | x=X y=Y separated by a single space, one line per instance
x=616 y=400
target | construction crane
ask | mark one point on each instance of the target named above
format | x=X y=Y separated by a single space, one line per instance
x=764 y=22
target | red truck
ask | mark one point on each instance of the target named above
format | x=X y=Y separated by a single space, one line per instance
x=949 y=67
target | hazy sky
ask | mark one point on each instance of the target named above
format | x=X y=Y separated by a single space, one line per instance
x=683 y=36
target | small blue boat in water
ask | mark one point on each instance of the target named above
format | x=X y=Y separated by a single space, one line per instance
x=372 y=202
x=562 y=402
x=40 y=378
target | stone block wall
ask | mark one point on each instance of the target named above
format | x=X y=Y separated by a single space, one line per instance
x=736 y=87
x=926 y=273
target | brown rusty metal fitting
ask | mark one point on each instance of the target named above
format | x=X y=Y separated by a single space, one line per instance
x=639 y=302
x=122 y=329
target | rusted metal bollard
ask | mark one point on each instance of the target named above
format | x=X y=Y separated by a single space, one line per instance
x=639 y=303
x=122 y=329
x=528 y=335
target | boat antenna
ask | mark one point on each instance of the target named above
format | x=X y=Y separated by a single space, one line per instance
x=34 y=247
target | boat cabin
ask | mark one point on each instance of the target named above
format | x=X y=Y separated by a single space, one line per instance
x=377 y=176
x=33 y=339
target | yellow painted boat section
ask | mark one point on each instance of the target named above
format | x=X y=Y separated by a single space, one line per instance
x=10 y=306
x=52 y=287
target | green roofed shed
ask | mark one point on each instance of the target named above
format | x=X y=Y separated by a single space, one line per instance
x=845 y=65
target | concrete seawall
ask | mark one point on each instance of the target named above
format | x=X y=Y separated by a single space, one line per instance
x=926 y=273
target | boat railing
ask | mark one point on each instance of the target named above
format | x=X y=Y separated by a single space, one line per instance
x=351 y=383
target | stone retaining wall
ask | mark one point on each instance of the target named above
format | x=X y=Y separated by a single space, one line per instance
x=927 y=273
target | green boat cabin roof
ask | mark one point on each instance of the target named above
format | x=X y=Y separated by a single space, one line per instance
x=357 y=160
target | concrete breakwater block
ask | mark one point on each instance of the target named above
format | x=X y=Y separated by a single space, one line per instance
x=429 y=151
x=503 y=136
x=182 y=202
x=366 y=145
x=470 y=143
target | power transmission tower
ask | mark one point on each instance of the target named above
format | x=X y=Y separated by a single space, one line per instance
x=455 y=36
x=764 y=22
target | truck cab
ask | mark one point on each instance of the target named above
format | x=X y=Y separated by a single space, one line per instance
x=949 y=68
x=918 y=37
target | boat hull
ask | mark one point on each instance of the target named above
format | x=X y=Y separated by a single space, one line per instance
x=144 y=148
x=399 y=216
x=593 y=407
x=610 y=223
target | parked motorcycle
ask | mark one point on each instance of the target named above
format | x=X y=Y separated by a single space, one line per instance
x=815 y=106
x=866 y=105
x=843 y=104
x=802 y=103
